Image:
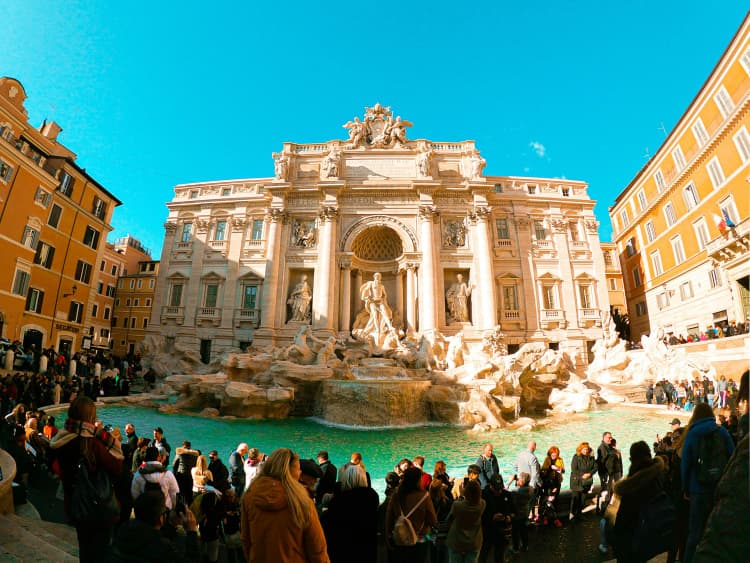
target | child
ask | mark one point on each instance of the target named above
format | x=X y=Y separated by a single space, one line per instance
x=521 y=494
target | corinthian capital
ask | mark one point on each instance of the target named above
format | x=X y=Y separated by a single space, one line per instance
x=428 y=213
x=171 y=228
x=328 y=213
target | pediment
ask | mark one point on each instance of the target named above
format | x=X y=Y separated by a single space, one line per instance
x=212 y=276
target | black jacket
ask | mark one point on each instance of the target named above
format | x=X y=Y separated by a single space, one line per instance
x=220 y=474
x=137 y=542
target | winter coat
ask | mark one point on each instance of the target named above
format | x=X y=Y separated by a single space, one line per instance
x=727 y=533
x=465 y=533
x=137 y=542
x=154 y=472
x=632 y=492
x=578 y=466
x=351 y=525
x=220 y=475
x=689 y=457
x=489 y=467
x=185 y=460
x=269 y=532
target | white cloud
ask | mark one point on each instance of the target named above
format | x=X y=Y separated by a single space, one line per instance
x=539 y=148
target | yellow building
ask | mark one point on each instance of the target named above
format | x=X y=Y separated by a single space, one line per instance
x=613 y=273
x=133 y=303
x=54 y=221
x=681 y=225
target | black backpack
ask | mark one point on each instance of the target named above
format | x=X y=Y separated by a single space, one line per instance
x=93 y=497
x=654 y=530
x=712 y=458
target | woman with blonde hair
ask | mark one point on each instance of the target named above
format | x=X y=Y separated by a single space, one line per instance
x=279 y=520
x=582 y=469
x=201 y=475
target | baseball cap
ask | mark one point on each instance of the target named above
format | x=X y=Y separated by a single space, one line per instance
x=676 y=421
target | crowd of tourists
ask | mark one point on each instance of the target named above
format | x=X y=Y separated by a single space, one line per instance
x=685 y=394
x=138 y=498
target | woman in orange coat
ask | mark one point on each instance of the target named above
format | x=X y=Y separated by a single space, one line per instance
x=279 y=520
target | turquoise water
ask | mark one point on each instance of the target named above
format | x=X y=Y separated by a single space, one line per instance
x=382 y=449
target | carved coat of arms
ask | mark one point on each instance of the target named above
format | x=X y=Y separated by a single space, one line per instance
x=378 y=129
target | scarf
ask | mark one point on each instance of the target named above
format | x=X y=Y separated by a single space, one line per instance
x=79 y=428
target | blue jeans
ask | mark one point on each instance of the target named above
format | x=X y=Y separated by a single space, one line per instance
x=466 y=557
x=700 y=507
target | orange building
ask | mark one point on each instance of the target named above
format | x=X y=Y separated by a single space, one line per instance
x=613 y=273
x=681 y=226
x=54 y=222
x=133 y=303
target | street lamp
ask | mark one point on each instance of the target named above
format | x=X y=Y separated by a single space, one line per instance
x=73 y=291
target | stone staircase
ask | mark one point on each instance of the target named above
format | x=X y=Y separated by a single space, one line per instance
x=24 y=539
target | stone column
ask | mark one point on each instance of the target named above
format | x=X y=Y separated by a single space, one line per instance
x=411 y=298
x=161 y=292
x=236 y=232
x=346 y=294
x=427 y=216
x=324 y=290
x=485 y=283
x=400 y=280
x=193 y=292
x=567 y=290
x=270 y=290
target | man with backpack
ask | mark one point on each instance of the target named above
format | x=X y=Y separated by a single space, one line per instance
x=153 y=476
x=705 y=452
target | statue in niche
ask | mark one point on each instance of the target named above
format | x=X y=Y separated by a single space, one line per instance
x=455 y=234
x=458 y=300
x=423 y=163
x=303 y=234
x=329 y=168
x=280 y=165
x=299 y=300
x=476 y=165
x=378 y=324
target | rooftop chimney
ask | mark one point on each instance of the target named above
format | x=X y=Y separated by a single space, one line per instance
x=51 y=130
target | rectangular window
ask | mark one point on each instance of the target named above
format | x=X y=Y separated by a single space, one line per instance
x=114 y=271
x=613 y=284
x=104 y=332
x=176 y=297
x=662 y=300
x=34 y=300
x=745 y=60
x=679 y=158
x=714 y=278
x=212 y=292
x=106 y=313
x=531 y=188
x=640 y=309
x=691 y=196
x=44 y=255
x=136 y=302
x=100 y=288
x=724 y=102
x=148 y=302
x=102 y=265
x=145 y=322
x=221 y=230
x=99 y=208
x=630 y=247
x=139 y=284
x=91 y=237
x=151 y=284
x=119 y=283
x=677 y=249
x=75 y=312
x=729 y=210
x=94 y=310
x=250 y=296
x=83 y=272
x=510 y=298
x=574 y=232
x=624 y=219
x=66 y=184
x=187 y=230
x=502 y=229
x=194 y=194
x=669 y=214
x=656 y=263
x=6 y=171
x=539 y=231
x=132 y=284
x=54 y=216
x=127 y=302
x=742 y=141
x=133 y=321
x=30 y=237
x=110 y=290
x=550 y=297
x=636 y=277
x=700 y=133
x=701 y=232
x=226 y=191
x=650 y=231
x=642 y=200
x=498 y=188
x=584 y=293
x=659 y=179
x=686 y=290
x=42 y=197
x=715 y=172
x=257 y=233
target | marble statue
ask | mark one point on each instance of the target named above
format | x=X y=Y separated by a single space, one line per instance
x=455 y=234
x=395 y=130
x=303 y=234
x=476 y=165
x=327 y=351
x=299 y=300
x=375 y=298
x=280 y=165
x=300 y=351
x=329 y=168
x=455 y=354
x=423 y=163
x=378 y=129
x=457 y=297
x=357 y=132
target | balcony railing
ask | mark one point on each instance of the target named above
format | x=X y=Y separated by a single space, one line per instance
x=180 y=245
x=175 y=313
x=217 y=243
x=543 y=243
x=209 y=312
x=504 y=242
x=579 y=245
x=552 y=314
x=589 y=314
x=511 y=315
x=251 y=316
x=254 y=243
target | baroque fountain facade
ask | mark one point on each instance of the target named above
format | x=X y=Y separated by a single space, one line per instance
x=381 y=281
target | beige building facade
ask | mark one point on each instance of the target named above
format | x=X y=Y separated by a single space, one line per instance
x=252 y=261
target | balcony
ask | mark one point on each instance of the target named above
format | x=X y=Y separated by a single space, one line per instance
x=246 y=317
x=217 y=244
x=589 y=314
x=504 y=243
x=511 y=315
x=733 y=247
x=209 y=314
x=552 y=314
x=543 y=244
x=176 y=314
x=183 y=245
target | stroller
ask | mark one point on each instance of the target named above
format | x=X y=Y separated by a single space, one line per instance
x=548 y=498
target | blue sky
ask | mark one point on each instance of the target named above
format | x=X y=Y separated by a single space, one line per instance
x=161 y=93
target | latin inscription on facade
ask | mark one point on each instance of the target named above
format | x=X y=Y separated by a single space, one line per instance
x=380 y=168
